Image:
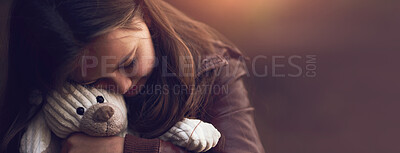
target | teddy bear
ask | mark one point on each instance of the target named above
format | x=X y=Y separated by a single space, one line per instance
x=97 y=112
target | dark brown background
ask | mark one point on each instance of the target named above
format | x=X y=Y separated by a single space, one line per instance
x=351 y=105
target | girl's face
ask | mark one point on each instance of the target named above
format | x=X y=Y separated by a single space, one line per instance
x=119 y=61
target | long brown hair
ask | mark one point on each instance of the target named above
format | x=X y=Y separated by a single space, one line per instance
x=47 y=36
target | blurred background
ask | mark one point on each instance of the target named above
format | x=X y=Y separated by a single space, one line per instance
x=323 y=75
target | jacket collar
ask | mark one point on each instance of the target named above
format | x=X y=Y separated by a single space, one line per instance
x=223 y=53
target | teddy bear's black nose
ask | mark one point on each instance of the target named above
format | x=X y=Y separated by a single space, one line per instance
x=103 y=114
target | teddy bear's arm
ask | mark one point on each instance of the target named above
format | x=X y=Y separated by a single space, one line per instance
x=37 y=136
x=193 y=134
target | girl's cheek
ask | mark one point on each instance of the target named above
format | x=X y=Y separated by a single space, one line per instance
x=106 y=85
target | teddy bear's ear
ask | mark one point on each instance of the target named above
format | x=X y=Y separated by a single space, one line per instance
x=35 y=97
x=37 y=137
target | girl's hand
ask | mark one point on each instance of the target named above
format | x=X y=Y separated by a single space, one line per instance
x=81 y=143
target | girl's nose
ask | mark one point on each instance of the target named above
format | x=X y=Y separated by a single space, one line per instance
x=122 y=83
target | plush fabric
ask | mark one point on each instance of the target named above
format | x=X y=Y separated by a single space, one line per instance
x=193 y=134
x=62 y=117
x=93 y=111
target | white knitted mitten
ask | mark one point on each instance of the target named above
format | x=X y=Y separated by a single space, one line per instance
x=193 y=134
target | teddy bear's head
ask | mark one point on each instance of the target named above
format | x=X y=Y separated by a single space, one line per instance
x=90 y=110
x=75 y=108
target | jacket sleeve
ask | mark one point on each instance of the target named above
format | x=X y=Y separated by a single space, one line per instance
x=135 y=144
x=231 y=113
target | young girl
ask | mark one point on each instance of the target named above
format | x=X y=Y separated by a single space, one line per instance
x=166 y=65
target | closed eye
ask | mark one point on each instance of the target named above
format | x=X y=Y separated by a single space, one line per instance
x=131 y=64
x=91 y=83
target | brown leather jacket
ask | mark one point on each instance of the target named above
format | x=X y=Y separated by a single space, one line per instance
x=230 y=111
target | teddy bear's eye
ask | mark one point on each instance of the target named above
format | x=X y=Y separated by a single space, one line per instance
x=80 y=110
x=100 y=99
